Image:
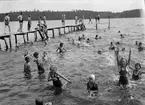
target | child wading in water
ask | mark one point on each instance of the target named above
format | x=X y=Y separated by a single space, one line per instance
x=61 y=49
x=136 y=70
x=123 y=79
x=92 y=86
x=27 y=68
x=39 y=63
x=54 y=77
x=122 y=66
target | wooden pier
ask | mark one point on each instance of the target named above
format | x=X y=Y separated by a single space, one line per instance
x=43 y=35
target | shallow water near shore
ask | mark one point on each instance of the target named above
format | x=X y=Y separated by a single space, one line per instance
x=76 y=64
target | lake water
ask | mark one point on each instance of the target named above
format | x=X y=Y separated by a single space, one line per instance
x=76 y=64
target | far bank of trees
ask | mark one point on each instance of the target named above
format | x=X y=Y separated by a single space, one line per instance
x=57 y=15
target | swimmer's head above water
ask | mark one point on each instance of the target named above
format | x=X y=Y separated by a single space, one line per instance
x=137 y=66
x=53 y=68
x=36 y=54
x=61 y=44
x=123 y=62
x=92 y=77
x=27 y=59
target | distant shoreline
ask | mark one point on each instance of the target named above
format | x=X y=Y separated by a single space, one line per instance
x=57 y=15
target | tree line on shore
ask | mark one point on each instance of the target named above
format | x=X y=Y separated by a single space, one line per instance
x=57 y=15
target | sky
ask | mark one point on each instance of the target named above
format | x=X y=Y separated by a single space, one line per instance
x=67 y=5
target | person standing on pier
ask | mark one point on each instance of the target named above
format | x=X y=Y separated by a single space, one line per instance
x=44 y=20
x=98 y=18
x=7 y=21
x=90 y=20
x=76 y=20
x=20 y=18
x=63 y=19
x=29 y=23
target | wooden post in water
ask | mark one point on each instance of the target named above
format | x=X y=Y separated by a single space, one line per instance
x=35 y=34
x=41 y=35
x=6 y=43
x=59 y=32
x=68 y=29
x=71 y=28
x=109 y=23
x=96 y=24
x=24 y=38
x=16 y=40
x=27 y=37
x=74 y=28
x=64 y=30
x=53 y=33
x=10 y=42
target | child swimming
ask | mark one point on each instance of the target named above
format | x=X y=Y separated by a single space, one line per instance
x=61 y=49
x=39 y=63
x=96 y=37
x=121 y=35
x=83 y=37
x=27 y=68
x=88 y=40
x=112 y=47
x=92 y=86
x=136 y=71
x=54 y=76
x=45 y=57
x=136 y=75
x=140 y=47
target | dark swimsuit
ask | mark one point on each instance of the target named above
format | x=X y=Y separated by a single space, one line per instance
x=56 y=83
x=123 y=80
x=29 y=24
x=21 y=21
x=93 y=87
x=135 y=76
x=40 y=67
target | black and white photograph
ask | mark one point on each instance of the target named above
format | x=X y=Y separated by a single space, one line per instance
x=72 y=52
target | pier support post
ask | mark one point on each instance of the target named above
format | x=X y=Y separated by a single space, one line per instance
x=10 y=42
x=71 y=28
x=68 y=29
x=41 y=35
x=96 y=25
x=24 y=38
x=35 y=34
x=6 y=43
x=64 y=31
x=27 y=38
x=59 y=32
x=109 y=23
x=53 y=33
x=16 y=40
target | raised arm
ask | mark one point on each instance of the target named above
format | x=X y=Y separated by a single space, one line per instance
x=130 y=67
x=63 y=77
x=64 y=49
x=129 y=57
x=117 y=55
x=49 y=78
x=57 y=49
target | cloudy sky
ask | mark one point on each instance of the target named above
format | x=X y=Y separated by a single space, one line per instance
x=61 y=5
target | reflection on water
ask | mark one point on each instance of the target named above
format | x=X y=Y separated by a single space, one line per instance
x=75 y=64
